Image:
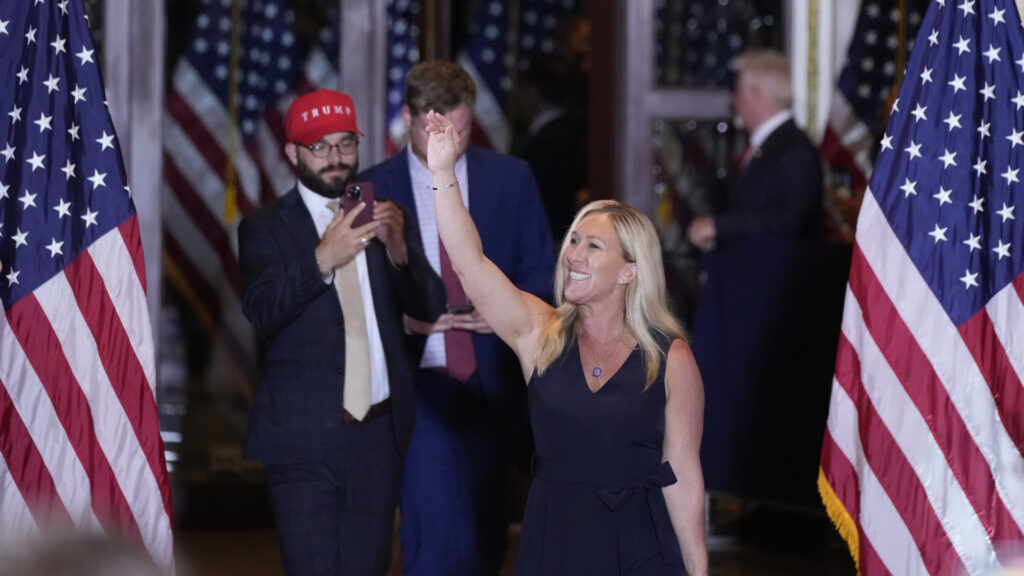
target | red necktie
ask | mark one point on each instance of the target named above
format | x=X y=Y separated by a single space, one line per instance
x=745 y=157
x=458 y=344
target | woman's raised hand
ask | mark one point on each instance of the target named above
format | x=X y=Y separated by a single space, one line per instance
x=442 y=143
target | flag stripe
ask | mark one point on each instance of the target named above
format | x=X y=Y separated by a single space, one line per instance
x=203 y=223
x=266 y=190
x=489 y=117
x=262 y=153
x=871 y=562
x=206 y=144
x=1006 y=310
x=892 y=469
x=935 y=334
x=980 y=336
x=839 y=155
x=111 y=408
x=115 y=264
x=28 y=471
x=220 y=311
x=881 y=524
x=133 y=243
x=113 y=257
x=269 y=150
x=43 y=429
x=191 y=254
x=114 y=350
x=848 y=141
x=843 y=481
x=195 y=104
x=929 y=396
x=17 y=517
x=207 y=184
x=225 y=331
x=43 y=348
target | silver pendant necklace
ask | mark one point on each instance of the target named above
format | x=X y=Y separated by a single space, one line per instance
x=597 y=371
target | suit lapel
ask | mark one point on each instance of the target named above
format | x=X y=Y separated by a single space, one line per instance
x=777 y=136
x=400 y=182
x=755 y=166
x=479 y=184
x=298 y=221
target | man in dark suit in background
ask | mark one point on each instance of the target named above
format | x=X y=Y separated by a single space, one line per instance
x=554 y=140
x=454 y=509
x=778 y=192
x=333 y=413
x=759 y=347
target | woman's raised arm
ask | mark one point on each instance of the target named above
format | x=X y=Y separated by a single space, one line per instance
x=515 y=316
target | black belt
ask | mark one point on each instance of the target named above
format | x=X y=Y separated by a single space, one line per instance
x=378 y=409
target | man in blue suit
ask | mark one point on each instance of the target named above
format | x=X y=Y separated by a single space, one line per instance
x=333 y=412
x=454 y=510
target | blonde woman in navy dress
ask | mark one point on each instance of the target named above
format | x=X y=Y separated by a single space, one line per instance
x=616 y=400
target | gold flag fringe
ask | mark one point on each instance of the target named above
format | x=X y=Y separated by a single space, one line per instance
x=842 y=520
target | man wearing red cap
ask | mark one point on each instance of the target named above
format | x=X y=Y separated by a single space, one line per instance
x=333 y=413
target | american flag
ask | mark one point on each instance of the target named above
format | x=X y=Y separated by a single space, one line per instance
x=79 y=438
x=503 y=37
x=922 y=467
x=696 y=41
x=866 y=81
x=403 y=52
x=206 y=147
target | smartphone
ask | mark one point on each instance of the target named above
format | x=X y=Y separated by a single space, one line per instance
x=461 y=309
x=354 y=194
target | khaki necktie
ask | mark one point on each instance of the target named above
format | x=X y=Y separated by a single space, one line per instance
x=357 y=397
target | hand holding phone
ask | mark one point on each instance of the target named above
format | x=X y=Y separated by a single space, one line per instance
x=355 y=193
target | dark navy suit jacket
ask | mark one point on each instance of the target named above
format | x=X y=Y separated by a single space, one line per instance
x=509 y=214
x=298 y=404
x=779 y=191
x=760 y=337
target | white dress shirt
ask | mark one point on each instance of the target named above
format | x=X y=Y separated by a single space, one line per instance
x=322 y=215
x=423 y=193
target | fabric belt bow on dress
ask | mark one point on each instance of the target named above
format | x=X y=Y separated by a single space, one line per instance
x=641 y=503
x=643 y=526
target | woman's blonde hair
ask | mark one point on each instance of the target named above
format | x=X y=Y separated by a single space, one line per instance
x=646 y=310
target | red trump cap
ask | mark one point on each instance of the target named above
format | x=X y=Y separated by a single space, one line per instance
x=314 y=115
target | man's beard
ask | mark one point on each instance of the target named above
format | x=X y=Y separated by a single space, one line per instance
x=327 y=187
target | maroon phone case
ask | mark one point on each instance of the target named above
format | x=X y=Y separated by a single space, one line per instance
x=355 y=193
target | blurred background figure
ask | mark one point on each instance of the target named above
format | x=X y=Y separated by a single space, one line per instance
x=758 y=337
x=553 y=143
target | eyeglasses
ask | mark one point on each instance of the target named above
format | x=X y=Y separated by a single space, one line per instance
x=323 y=149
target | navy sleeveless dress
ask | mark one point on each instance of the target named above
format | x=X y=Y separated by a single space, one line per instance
x=595 y=505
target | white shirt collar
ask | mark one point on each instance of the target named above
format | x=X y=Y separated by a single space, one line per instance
x=317 y=207
x=543 y=119
x=765 y=130
x=314 y=202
